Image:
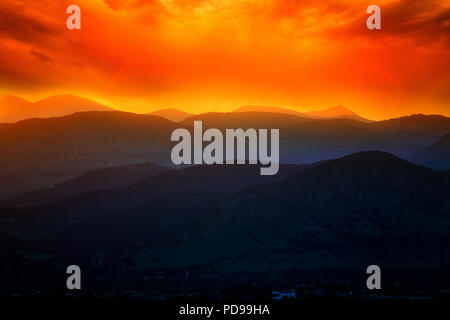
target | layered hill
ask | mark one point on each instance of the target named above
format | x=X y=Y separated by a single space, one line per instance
x=365 y=194
x=338 y=213
x=436 y=155
x=306 y=140
x=229 y=226
x=13 y=109
x=341 y=213
x=316 y=140
x=83 y=141
x=184 y=194
x=412 y=133
x=244 y=120
x=172 y=114
x=62 y=105
x=96 y=180
x=268 y=109
x=337 y=112
x=37 y=153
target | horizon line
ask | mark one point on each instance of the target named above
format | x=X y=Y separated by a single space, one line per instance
x=233 y=110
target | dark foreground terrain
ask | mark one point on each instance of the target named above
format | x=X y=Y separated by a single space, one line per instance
x=224 y=232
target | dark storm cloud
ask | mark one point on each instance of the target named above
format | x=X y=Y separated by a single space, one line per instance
x=41 y=56
x=423 y=21
x=18 y=23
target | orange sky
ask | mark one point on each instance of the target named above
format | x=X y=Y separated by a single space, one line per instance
x=216 y=55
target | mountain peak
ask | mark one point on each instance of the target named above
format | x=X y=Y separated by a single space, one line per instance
x=436 y=155
x=341 y=109
x=338 y=111
x=10 y=97
x=171 y=114
x=67 y=99
x=335 y=112
x=14 y=109
x=267 y=109
x=372 y=156
x=373 y=159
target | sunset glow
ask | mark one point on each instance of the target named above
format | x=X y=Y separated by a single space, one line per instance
x=217 y=55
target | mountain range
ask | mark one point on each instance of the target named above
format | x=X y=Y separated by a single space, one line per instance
x=95 y=180
x=86 y=139
x=172 y=114
x=13 y=109
x=336 y=112
x=436 y=155
x=98 y=188
x=37 y=153
x=330 y=215
x=205 y=184
x=333 y=214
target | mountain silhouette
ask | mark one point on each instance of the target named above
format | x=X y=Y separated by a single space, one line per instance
x=268 y=109
x=96 y=180
x=412 y=133
x=244 y=120
x=13 y=109
x=366 y=194
x=172 y=114
x=62 y=105
x=417 y=124
x=306 y=140
x=37 y=149
x=435 y=156
x=37 y=153
x=330 y=215
x=315 y=140
x=110 y=207
x=337 y=112
x=226 y=220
